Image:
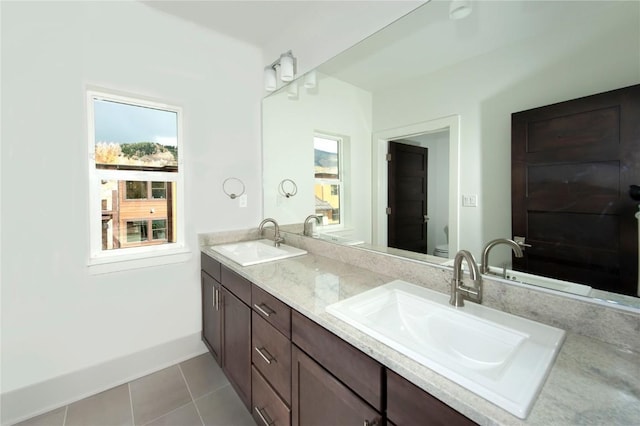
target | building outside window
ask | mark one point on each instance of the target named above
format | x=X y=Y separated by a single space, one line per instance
x=328 y=179
x=135 y=175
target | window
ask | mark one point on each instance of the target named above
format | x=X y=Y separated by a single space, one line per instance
x=135 y=175
x=328 y=179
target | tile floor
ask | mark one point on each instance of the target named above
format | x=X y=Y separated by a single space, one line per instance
x=192 y=393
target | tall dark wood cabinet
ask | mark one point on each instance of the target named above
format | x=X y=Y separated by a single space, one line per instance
x=226 y=323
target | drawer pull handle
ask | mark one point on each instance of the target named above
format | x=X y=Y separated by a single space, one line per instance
x=263 y=416
x=265 y=355
x=264 y=309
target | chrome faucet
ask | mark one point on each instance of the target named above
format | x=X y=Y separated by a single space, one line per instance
x=459 y=291
x=277 y=239
x=517 y=249
x=308 y=225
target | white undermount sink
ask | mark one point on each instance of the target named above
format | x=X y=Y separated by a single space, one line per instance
x=500 y=357
x=247 y=253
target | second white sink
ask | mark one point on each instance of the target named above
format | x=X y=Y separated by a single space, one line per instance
x=247 y=253
x=501 y=357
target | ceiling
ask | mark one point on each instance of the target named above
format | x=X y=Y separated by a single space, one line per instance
x=259 y=22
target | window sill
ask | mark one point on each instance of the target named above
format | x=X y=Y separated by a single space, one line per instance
x=106 y=265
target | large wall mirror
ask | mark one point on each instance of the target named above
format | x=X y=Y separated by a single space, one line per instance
x=438 y=94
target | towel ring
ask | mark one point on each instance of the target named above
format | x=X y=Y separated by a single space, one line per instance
x=290 y=191
x=232 y=195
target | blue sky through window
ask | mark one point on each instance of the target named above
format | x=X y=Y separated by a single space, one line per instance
x=123 y=123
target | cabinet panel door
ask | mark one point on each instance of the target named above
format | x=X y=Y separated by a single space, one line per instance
x=358 y=371
x=407 y=403
x=236 y=346
x=211 y=316
x=320 y=399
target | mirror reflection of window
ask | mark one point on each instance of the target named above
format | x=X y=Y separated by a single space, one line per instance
x=328 y=179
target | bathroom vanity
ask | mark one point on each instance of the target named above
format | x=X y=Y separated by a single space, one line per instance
x=308 y=367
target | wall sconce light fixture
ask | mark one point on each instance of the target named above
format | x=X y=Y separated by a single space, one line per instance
x=286 y=64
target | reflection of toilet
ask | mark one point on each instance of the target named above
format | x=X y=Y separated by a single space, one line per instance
x=442 y=250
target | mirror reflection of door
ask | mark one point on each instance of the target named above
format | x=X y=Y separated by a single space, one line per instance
x=572 y=166
x=407 y=195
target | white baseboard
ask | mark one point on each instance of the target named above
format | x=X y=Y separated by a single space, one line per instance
x=33 y=400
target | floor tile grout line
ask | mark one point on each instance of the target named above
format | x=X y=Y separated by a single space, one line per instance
x=186 y=382
x=133 y=417
x=64 y=418
x=166 y=414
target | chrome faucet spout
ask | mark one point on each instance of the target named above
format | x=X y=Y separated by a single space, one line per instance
x=459 y=291
x=517 y=249
x=308 y=224
x=277 y=239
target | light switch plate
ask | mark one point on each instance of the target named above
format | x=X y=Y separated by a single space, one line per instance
x=470 y=200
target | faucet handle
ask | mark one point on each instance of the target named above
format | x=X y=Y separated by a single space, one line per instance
x=520 y=241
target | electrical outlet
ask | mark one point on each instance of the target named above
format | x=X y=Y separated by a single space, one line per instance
x=242 y=200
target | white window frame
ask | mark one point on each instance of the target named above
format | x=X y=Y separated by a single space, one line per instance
x=338 y=182
x=104 y=261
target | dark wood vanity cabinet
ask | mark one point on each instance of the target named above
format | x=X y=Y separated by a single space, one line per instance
x=288 y=370
x=226 y=323
x=408 y=405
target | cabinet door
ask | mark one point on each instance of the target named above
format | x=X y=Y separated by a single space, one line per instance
x=236 y=346
x=407 y=404
x=320 y=399
x=211 y=316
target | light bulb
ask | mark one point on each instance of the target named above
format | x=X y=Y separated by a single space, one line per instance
x=270 y=83
x=286 y=67
x=310 y=79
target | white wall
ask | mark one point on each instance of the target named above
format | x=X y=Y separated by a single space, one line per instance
x=335 y=108
x=328 y=32
x=57 y=318
x=485 y=90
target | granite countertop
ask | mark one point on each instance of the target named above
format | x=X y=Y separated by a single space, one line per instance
x=591 y=382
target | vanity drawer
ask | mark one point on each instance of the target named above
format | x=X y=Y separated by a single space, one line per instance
x=271 y=309
x=210 y=266
x=268 y=409
x=352 y=367
x=239 y=286
x=271 y=355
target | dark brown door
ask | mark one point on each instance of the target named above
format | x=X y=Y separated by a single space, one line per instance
x=211 y=316
x=407 y=199
x=572 y=166
x=236 y=346
x=320 y=399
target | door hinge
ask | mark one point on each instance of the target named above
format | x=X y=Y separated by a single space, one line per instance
x=388 y=156
x=388 y=210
